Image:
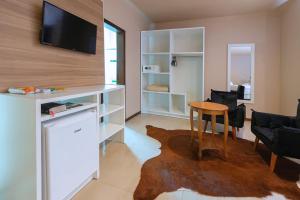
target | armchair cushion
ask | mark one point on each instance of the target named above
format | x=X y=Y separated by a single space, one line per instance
x=267 y=133
x=278 y=121
x=261 y=119
x=287 y=141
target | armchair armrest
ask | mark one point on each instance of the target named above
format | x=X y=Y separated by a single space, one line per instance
x=287 y=141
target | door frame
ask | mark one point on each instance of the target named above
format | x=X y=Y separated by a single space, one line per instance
x=121 y=35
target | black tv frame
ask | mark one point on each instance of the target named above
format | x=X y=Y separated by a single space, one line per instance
x=50 y=44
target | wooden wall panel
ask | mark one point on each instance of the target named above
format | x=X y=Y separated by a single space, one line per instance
x=25 y=62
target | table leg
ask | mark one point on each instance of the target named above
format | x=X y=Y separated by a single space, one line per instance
x=200 y=133
x=213 y=124
x=233 y=133
x=192 y=124
x=205 y=126
x=225 y=132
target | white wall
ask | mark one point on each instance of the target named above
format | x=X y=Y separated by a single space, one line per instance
x=290 y=57
x=126 y=15
x=263 y=29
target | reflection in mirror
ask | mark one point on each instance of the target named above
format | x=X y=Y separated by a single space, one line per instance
x=241 y=70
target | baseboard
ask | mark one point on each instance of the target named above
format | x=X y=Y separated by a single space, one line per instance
x=132 y=116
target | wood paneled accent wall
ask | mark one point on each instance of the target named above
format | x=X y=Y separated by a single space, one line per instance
x=25 y=62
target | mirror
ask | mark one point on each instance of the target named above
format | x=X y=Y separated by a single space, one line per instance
x=241 y=61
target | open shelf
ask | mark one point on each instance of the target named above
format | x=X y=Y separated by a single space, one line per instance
x=106 y=130
x=85 y=106
x=111 y=113
x=158 y=73
x=157 y=59
x=107 y=109
x=155 y=41
x=193 y=86
x=157 y=54
x=157 y=79
x=148 y=91
x=156 y=102
x=187 y=54
x=187 y=40
x=185 y=80
x=111 y=101
x=178 y=103
x=111 y=124
x=158 y=110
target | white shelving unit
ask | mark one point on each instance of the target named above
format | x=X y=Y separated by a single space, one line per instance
x=112 y=113
x=22 y=129
x=185 y=80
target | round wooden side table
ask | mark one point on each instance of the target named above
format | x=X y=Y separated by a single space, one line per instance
x=213 y=109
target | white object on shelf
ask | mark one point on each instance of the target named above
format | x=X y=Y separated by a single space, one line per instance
x=85 y=106
x=162 y=60
x=151 y=68
x=158 y=88
x=187 y=77
x=70 y=145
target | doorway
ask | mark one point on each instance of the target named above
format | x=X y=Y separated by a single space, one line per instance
x=114 y=53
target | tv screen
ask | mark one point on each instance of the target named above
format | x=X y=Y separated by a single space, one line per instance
x=63 y=29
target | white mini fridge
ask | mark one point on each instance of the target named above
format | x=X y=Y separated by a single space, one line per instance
x=71 y=154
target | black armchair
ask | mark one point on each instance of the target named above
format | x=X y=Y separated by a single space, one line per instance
x=280 y=134
x=236 y=113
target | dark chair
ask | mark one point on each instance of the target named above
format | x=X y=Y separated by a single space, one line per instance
x=241 y=92
x=280 y=134
x=236 y=113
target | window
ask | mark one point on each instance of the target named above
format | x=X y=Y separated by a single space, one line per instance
x=114 y=54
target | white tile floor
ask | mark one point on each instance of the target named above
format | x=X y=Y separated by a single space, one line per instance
x=121 y=163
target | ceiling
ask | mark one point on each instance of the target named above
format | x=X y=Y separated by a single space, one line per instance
x=173 y=10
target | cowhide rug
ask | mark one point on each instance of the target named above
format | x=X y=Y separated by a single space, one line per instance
x=244 y=173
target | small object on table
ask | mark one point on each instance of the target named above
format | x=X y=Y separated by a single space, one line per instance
x=33 y=90
x=23 y=90
x=53 y=108
x=70 y=105
x=45 y=91
x=212 y=109
x=151 y=69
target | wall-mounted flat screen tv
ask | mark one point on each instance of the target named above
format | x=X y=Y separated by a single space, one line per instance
x=63 y=29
